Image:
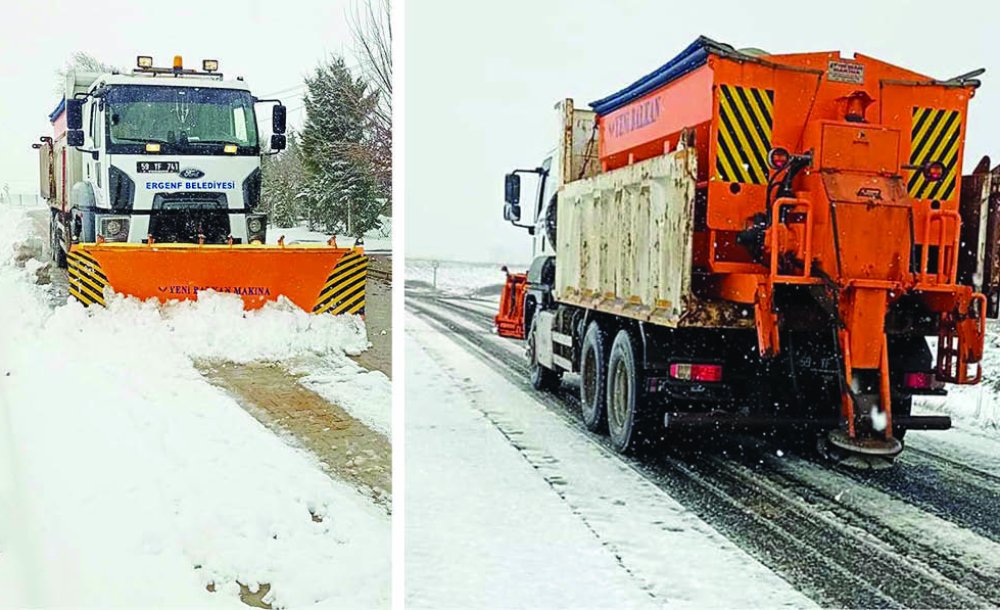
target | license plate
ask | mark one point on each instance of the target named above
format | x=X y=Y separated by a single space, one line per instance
x=157 y=167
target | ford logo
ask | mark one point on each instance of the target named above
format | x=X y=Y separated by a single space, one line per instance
x=191 y=173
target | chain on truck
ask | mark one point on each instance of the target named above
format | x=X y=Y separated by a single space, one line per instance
x=749 y=241
x=154 y=184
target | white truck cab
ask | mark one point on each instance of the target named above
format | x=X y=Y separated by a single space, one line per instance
x=167 y=154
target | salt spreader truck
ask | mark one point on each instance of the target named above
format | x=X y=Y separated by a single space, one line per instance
x=745 y=241
x=153 y=181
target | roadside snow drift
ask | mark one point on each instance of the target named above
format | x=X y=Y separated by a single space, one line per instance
x=136 y=483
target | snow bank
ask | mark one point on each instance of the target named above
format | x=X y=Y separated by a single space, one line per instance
x=140 y=484
x=216 y=327
x=380 y=239
x=364 y=394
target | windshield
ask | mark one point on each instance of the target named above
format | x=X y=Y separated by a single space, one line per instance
x=180 y=117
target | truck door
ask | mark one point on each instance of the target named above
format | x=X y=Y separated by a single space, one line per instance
x=95 y=163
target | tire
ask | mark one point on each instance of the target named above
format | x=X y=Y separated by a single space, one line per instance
x=593 y=373
x=55 y=244
x=627 y=415
x=542 y=378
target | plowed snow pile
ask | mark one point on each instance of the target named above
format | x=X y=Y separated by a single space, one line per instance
x=130 y=481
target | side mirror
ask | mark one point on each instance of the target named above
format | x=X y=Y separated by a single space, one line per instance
x=278 y=142
x=74 y=137
x=512 y=189
x=512 y=212
x=74 y=114
x=278 y=115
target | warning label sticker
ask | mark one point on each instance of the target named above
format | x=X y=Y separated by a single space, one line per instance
x=846 y=72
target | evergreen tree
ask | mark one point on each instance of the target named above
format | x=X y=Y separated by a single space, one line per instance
x=283 y=175
x=341 y=191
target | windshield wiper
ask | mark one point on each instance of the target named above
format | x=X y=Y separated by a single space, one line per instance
x=212 y=142
x=145 y=140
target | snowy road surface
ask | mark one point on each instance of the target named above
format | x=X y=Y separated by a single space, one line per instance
x=925 y=533
x=129 y=480
x=544 y=518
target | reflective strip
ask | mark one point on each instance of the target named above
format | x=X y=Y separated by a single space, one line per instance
x=934 y=137
x=344 y=290
x=744 y=134
x=86 y=279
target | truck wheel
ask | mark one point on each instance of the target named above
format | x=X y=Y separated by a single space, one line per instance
x=541 y=377
x=55 y=243
x=593 y=372
x=627 y=418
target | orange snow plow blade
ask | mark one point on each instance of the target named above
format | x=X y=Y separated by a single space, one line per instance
x=317 y=278
x=510 y=320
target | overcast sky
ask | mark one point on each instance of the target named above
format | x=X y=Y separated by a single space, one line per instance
x=271 y=44
x=482 y=77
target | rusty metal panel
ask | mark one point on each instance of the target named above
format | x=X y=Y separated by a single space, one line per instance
x=973 y=207
x=577 y=142
x=625 y=239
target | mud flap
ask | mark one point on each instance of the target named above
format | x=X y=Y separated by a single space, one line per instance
x=317 y=278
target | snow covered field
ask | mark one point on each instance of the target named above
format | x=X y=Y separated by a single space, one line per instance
x=458 y=279
x=374 y=240
x=546 y=518
x=129 y=480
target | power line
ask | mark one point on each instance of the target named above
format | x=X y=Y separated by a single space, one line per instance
x=266 y=95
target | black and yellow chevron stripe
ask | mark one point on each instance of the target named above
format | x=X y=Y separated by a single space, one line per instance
x=86 y=279
x=744 y=134
x=935 y=136
x=344 y=290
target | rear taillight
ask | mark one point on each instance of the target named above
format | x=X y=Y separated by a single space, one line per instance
x=778 y=158
x=920 y=381
x=685 y=371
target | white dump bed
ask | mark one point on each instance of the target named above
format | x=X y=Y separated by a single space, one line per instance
x=625 y=239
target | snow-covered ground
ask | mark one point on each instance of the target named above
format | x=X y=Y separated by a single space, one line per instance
x=544 y=518
x=458 y=279
x=975 y=407
x=374 y=240
x=128 y=480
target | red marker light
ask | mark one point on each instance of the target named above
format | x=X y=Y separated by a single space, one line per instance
x=778 y=158
x=696 y=372
x=934 y=171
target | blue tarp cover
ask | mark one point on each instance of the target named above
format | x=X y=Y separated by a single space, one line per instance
x=694 y=56
x=55 y=113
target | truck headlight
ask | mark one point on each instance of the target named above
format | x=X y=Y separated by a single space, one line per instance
x=113 y=228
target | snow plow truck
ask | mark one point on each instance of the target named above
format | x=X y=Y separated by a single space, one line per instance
x=153 y=181
x=746 y=241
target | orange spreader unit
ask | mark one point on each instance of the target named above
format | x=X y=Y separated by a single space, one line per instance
x=317 y=278
x=864 y=219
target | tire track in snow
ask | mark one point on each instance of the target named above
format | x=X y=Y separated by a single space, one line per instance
x=798 y=549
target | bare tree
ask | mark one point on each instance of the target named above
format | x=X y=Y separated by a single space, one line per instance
x=371 y=27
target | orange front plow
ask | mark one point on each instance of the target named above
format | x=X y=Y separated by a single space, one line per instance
x=317 y=278
x=510 y=319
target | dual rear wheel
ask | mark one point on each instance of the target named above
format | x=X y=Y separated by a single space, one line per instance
x=611 y=391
